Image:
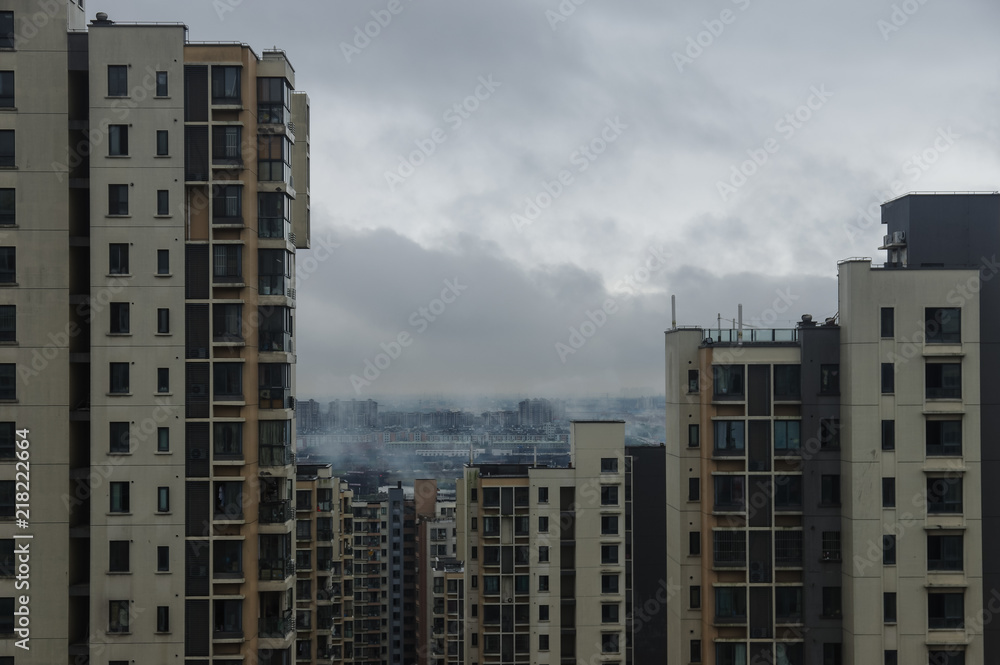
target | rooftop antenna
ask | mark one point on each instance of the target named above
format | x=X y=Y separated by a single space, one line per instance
x=673 y=312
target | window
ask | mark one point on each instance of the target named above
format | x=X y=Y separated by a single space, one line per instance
x=8 y=448
x=8 y=264
x=6 y=88
x=729 y=492
x=162 y=555
x=609 y=554
x=950 y=657
x=888 y=492
x=729 y=437
x=891 y=657
x=274 y=267
x=888 y=435
x=944 y=495
x=609 y=642
x=829 y=379
x=8 y=383
x=829 y=433
x=163 y=262
x=163 y=380
x=227 y=148
x=888 y=378
x=609 y=525
x=162 y=142
x=889 y=607
x=788 y=492
x=228 y=438
x=889 y=550
x=609 y=613
x=694 y=597
x=694 y=543
x=829 y=491
x=727 y=653
x=226 y=85
x=730 y=605
x=887 y=326
x=543 y=553
x=729 y=549
x=8 y=562
x=693 y=381
x=832 y=653
x=609 y=465
x=7 y=148
x=787 y=382
x=609 y=583
x=8 y=323
x=944 y=380
x=272 y=100
x=119 y=442
x=943 y=325
x=118 y=140
x=695 y=651
x=694 y=489
x=788 y=548
x=161 y=84
x=119 y=497
x=228 y=264
x=227 y=322
x=162 y=619
x=831 y=546
x=117 y=81
x=118 y=616
x=543 y=642
x=727 y=381
x=118 y=259
x=831 y=602
x=273 y=158
x=946 y=610
x=543 y=497
x=163 y=499
x=944 y=437
x=118 y=556
x=227 y=204
x=609 y=495
x=543 y=582
x=163 y=439
x=162 y=320
x=228 y=383
x=788 y=604
x=945 y=553
x=8 y=207
x=119 y=378
x=163 y=202
x=7 y=498
x=694 y=436
x=119 y=318
x=787 y=436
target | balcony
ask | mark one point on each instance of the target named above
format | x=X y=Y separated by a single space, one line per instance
x=751 y=336
x=275 y=627
x=276 y=569
x=276 y=398
x=273 y=227
x=280 y=455
x=275 y=512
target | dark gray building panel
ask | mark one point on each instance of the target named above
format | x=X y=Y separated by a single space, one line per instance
x=649 y=586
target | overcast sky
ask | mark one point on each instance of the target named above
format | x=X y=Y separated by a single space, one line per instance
x=585 y=155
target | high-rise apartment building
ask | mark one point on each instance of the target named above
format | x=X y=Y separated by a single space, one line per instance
x=546 y=555
x=154 y=194
x=826 y=496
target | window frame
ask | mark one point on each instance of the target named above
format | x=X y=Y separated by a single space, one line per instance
x=119 y=500
x=118 y=81
x=942 y=325
x=118 y=141
x=119 y=437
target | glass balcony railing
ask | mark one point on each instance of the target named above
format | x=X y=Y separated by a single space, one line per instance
x=275 y=512
x=275 y=455
x=750 y=335
x=276 y=569
x=275 y=626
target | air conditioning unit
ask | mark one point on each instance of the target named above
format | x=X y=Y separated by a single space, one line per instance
x=886 y=240
x=756 y=576
x=830 y=556
x=898 y=237
x=508 y=599
x=197 y=389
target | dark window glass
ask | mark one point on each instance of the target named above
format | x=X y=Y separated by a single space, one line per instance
x=227 y=203
x=119 y=378
x=8 y=323
x=7 y=443
x=944 y=495
x=944 y=437
x=945 y=553
x=787 y=382
x=694 y=489
x=888 y=435
x=729 y=437
x=227 y=145
x=163 y=439
x=119 y=437
x=227 y=264
x=609 y=465
x=163 y=202
x=944 y=380
x=119 y=497
x=609 y=495
x=788 y=547
x=694 y=436
x=118 y=140
x=226 y=85
x=831 y=546
x=118 y=561
x=950 y=657
x=162 y=143
x=788 y=492
x=8 y=207
x=943 y=325
x=118 y=616
x=120 y=317
x=831 y=602
x=888 y=378
x=788 y=604
x=729 y=492
x=117 y=81
x=227 y=322
x=888 y=327
x=609 y=583
x=787 y=436
x=889 y=607
x=829 y=379
x=228 y=380
x=6 y=89
x=693 y=381
x=8 y=385
x=694 y=597
x=891 y=657
x=889 y=550
x=163 y=320
x=163 y=380
x=161 y=84
x=162 y=554
x=694 y=543
x=946 y=610
x=729 y=549
x=162 y=619
x=833 y=652
x=7 y=147
x=730 y=605
x=117 y=199
x=727 y=381
x=830 y=490
x=7 y=32
x=829 y=433
x=118 y=259
x=888 y=492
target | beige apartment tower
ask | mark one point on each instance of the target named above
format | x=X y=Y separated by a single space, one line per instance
x=155 y=192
